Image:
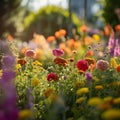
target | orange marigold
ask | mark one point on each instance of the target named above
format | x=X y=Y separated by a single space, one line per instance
x=60 y=61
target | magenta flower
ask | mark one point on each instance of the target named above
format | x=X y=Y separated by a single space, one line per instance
x=102 y=65
x=58 y=52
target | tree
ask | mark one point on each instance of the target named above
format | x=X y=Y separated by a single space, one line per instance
x=110 y=12
x=8 y=9
x=47 y=21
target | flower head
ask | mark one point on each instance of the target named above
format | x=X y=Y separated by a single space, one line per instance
x=102 y=65
x=60 y=61
x=52 y=76
x=118 y=68
x=58 y=52
x=82 y=65
x=30 y=53
x=88 y=76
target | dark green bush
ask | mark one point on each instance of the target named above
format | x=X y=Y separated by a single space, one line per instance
x=110 y=14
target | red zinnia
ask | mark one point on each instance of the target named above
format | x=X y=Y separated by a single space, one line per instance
x=82 y=65
x=52 y=76
x=118 y=68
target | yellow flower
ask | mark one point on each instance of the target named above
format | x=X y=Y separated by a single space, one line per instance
x=95 y=79
x=82 y=91
x=18 y=66
x=37 y=63
x=35 y=82
x=78 y=84
x=113 y=63
x=24 y=114
x=98 y=87
x=1 y=72
x=96 y=37
x=116 y=83
x=95 y=101
x=116 y=101
x=108 y=99
x=111 y=114
x=48 y=92
x=80 y=100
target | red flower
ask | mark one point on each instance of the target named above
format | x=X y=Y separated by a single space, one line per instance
x=82 y=65
x=52 y=76
x=118 y=68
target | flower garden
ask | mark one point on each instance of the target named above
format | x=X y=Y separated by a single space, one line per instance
x=58 y=78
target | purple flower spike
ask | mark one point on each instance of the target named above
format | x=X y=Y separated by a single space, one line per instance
x=58 y=52
x=8 y=62
x=8 y=76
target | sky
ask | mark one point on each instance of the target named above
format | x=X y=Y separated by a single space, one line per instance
x=37 y=4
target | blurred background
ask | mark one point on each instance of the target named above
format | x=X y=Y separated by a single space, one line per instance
x=22 y=18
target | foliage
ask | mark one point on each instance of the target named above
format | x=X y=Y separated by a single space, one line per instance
x=48 y=20
x=110 y=15
x=8 y=9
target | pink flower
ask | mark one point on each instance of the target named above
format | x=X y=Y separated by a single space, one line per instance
x=52 y=76
x=57 y=52
x=30 y=53
x=82 y=65
x=102 y=65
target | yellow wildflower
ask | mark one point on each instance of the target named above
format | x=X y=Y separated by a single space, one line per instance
x=18 y=66
x=116 y=83
x=116 y=101
x=80 y=100
x=95 y=79
x=96 y=37
x=24 y=114
x=108 y=99
x=98 y=87
x=78 y=84
x=35 y=82
x=48 y=92
x=37 y=63
x=113 y=63
x=111 y=114
x=95 y=101
x=82 y=91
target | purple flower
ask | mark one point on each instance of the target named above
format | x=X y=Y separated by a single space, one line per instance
x=88 y=76
x=8 y=76
x=58 y=52
x=8 y=62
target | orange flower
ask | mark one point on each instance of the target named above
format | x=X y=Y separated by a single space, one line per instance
x=118 y=68
x=88 y=40
x=117 y=27
x=89 y=53
x=51 y=39
x=90 y=60
x=10 y=38
x=62 y=32
x=83 y=28
x=24 y=50
x=57 y=34
x=48 y=92
x=21 y=62
x=60 y=61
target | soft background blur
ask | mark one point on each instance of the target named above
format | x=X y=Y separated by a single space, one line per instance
x=23 y=18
